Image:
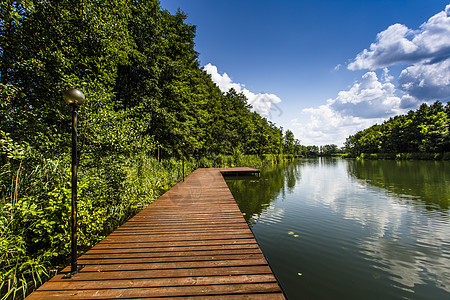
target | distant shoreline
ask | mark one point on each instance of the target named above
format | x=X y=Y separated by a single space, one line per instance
x=401 y=156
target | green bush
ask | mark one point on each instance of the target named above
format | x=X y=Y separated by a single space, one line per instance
x=35 y=209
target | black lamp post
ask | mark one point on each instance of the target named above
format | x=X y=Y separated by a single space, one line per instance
x=74 y=98
x=182 y=157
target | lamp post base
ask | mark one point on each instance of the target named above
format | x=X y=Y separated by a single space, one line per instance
x=71 y=274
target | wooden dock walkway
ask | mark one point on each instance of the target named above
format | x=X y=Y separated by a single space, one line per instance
x=192 y=242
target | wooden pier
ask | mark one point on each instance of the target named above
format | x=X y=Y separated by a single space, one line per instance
x=192 y=242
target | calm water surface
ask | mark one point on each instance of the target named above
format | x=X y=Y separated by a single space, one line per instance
x=348 y=229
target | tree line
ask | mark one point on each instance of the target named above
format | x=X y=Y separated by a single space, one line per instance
x=138 y=68
x=423 y=133
x=148 y=103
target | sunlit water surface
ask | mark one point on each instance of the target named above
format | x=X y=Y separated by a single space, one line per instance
x=348 y=229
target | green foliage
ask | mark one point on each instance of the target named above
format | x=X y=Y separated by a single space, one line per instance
x=145 y=94
x=137 y=66
x=35 y=230
x=32 y=234
x=423 y=134
x=329 y=150
x=289 y=142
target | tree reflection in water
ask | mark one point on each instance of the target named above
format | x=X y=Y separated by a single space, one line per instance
x=424 y=181
x=273 y=182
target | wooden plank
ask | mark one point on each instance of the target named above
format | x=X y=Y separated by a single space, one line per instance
x=191 y=242
x=178 y=237
x=168 y=273
x=137 y=255
x=105 y=244
x=174 y=265
x=168 y=259
x=157 y=282
x=171 y=291
x=175 y=231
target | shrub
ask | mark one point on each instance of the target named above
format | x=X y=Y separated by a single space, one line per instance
x=446 y=156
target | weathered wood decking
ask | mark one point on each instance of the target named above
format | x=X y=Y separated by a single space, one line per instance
x=191 y=242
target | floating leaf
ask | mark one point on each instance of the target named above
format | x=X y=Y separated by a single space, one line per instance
x=291 y=232
x=299 y=274
x=296 y=235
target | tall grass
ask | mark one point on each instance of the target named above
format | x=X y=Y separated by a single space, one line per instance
x=26 y=188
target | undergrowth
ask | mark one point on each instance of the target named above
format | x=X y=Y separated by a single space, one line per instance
x=36 y=199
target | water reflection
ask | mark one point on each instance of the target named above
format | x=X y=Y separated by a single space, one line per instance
x=274 y=182
x=428 y=181
x=378 y=226
x=407 y=241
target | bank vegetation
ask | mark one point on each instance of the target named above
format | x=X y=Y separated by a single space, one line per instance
x=149 y=106
x=420 y=134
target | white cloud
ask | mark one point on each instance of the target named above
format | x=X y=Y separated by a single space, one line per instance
x=324 y=125
x=261 y=103
x=367 y=102
x=224 y=82
x=386 y=76
x=392 y=47
x=426 y=50
x=400 y=45
x=387 y=226
x=368 y=98
x=409 y=102
x=427 y=82
x=337 y=68
x=375 y=98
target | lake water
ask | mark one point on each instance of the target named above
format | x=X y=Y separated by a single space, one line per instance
x=351 y=229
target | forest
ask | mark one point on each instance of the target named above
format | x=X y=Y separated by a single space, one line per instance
x=419 y=134
x=148 y=106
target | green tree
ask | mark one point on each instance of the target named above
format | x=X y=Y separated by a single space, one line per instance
x=424 y=130
x=138 y=68
x=328 y=150
x=289 y=142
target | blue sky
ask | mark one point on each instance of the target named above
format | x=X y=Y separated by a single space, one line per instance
x=325 y=69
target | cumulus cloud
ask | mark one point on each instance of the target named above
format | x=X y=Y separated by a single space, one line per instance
x=392 y=47
x=368 y=98
x=367 y=102
x=261 y=102
x=324 y=125
x=409 y=102
x=400 y=45
x=426 y=50
x=374 y=98
x=427 y=82
x=224 y=81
